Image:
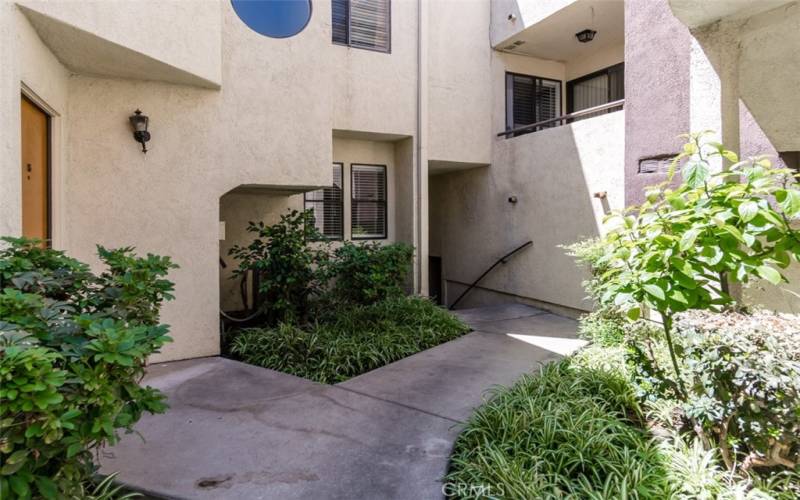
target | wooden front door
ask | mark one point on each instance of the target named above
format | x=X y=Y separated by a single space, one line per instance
x=35 y=172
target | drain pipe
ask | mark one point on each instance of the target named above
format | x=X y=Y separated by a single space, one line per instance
x=419 y=181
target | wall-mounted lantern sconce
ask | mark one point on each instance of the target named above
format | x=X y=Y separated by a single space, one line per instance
x=585 y=36
x=512 y=199
x=139 y=123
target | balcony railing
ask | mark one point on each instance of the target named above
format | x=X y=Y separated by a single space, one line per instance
x=564 y=119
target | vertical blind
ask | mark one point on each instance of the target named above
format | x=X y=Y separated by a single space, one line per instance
x=602 y=87
x=530 y=99
x=368 y=217
x=327 y=207
x=362 y=23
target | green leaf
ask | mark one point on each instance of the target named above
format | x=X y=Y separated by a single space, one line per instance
x=688 y=239
x=789 y=200
x=678 y=296
x=46 y=487
x=695 y=173
x=730 y=156
x=734 y=232
x=654 y=290
x=19 y=486
x=74 y=449
x=17 y=457
x=769 y=274
x=633 y=313
x=748 y=210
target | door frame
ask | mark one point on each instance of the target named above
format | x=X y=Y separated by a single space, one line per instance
x=32 y=97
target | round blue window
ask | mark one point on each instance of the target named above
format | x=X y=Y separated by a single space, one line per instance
x=274 y=18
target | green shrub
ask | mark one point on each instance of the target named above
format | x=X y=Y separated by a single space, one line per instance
x=72 y=351
x=603 y=326
x=289 y=269
x=695 y=473
x=590 y=253
x=681 y=249
x=744 y=373
x=350 y=340
x=567 y=433
x=370 y=272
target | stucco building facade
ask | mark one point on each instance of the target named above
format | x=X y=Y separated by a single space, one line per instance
x=245 y=126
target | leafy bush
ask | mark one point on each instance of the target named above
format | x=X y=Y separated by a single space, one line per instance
x=606 y=324
x=72 y=350
x=590 y=253
x=566 y=433
x=349 y=341
x=603 y=326
x=368 y=273
x=289 y=269
x=745 y=385
x=683 y=246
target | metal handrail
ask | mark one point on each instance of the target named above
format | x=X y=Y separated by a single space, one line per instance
x=501 y=260
x=571 y=116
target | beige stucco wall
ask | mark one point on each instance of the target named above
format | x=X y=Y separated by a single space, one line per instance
x=554 y=174
x=526 y=13
x=459 y=84
x=185 y=35
x=595 y=61
x=269 y=124
x=240 y=206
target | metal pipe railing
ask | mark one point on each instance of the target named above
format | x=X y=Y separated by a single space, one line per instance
x=568 y=117
x=501 y=260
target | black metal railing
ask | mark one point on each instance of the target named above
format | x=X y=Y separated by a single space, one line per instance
x=564 y=119
x=501 y=260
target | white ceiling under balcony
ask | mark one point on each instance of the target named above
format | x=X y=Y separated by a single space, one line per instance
x=554 y=36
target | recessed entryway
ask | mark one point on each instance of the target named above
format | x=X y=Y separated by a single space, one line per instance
x=35 y=165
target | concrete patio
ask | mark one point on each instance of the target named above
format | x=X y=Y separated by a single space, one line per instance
x=239 y=431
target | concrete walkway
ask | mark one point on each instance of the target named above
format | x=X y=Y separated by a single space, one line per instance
x=239 y=431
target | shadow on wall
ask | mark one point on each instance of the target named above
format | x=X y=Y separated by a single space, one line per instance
x=554 y=175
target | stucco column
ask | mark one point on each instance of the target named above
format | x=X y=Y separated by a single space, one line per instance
x=714 y=83
x=714 y=93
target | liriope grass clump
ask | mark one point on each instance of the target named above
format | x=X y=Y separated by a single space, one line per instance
x=567 y=432
x=349 y=340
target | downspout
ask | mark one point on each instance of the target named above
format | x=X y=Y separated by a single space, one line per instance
x=418 y=169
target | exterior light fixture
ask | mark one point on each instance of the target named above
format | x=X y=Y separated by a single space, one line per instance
x=585 y=36
x=139 y=123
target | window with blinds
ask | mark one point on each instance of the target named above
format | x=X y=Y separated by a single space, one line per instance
x=595 y=89
x=368 y=209
x=326 y=207
x=365 y=24
x=530 y=99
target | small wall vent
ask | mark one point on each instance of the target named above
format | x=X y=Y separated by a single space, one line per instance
x=514 y=45
x=658 y=164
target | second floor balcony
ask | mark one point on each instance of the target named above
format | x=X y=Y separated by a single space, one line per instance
x=558 y=121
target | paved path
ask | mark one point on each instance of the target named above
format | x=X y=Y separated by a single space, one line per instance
x=243 y=432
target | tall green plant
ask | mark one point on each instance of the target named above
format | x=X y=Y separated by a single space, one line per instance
x=289 y=269
x=72 y=351
x=369 y=273
x=683 y=245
